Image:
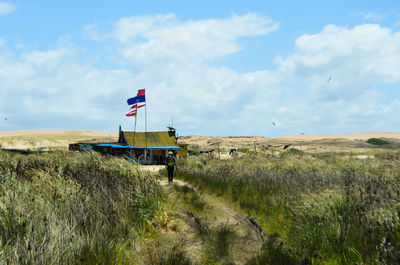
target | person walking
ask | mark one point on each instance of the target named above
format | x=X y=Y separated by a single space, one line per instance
x=170 y=164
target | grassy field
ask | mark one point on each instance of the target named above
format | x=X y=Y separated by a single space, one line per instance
x=322 y=201
x=67 y=208
x=316 y=209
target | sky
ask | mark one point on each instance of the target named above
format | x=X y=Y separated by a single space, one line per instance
x=213 y=68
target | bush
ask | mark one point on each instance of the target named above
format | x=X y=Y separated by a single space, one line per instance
x=377 y=141
x=193 y=152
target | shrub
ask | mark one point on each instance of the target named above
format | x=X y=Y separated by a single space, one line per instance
x=377 y=141
x=193 y=152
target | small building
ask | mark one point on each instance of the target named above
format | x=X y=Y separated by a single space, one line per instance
x=157 y=146
x=133 y=145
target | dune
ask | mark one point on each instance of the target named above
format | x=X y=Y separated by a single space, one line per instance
x=354 y=136
x=55 y=132
x=60 y=139
x=51 y=139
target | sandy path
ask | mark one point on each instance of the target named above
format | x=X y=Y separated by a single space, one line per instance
x=152 y=168
x=248 y=234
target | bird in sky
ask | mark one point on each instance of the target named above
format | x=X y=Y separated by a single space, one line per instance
x=329 y=79
x=5 y=119
x=273 y=123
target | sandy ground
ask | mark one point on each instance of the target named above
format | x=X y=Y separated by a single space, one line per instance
x=355 y=136
x=248 y=238
x=51 y=139
x=314 y=143
x=152 y=168
x=60 y=139
x=223 y=142
x=57 y=132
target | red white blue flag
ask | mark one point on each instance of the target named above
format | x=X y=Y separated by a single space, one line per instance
x=140 y=97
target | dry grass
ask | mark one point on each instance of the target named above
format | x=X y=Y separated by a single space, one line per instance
x=355 y=143
x=51 y=139
x=59 y=139
x=319 y=209
x=67 y=208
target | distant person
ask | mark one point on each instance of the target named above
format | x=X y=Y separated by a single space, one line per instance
x=170 y=164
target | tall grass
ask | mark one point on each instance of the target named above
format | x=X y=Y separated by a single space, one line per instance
x=218 y=244
x=65 y=208
x=321 y=209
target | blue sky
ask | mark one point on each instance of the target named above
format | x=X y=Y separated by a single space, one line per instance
x=214 y=68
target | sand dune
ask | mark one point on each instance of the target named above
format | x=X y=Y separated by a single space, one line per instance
x=51 y=139
x=355 y=136
x=56 y=132
x=60 y=139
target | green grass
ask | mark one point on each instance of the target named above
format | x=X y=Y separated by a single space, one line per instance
x=65 y=208
x=320 y=209
x=162 y=255
x=218 y=245
x=194 y=200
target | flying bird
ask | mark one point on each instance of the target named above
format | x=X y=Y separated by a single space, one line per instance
x=273 y=123
x=5 y=119
x=329 y=79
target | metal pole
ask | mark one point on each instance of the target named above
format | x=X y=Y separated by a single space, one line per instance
x=145 y=128
x=134 y=132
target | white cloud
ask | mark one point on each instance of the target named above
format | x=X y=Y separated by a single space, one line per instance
x=6 y=8
x=48 y=58
x=354 y=58
x=172 y=59
x=52 y=84
x=370 y=16
x=164 y=38
x=91 y=32
x=41 y=90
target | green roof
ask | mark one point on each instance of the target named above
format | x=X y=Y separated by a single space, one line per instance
x=153 y=139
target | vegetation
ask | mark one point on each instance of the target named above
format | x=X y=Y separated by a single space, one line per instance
x=69 y=208
x=165 y=255
x=377 y=141
x=320 y=209
x=193 y=197
x=219 y=241
x=66 y=208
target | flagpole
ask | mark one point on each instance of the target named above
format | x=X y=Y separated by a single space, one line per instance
x=145 y=127
x=134 y=132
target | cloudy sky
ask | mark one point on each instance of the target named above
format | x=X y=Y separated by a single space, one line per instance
x=213 y=67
